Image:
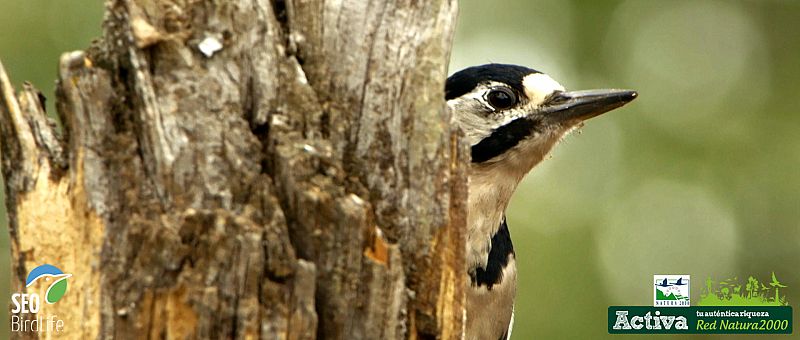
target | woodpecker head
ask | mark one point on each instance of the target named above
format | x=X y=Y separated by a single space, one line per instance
x=512 y=115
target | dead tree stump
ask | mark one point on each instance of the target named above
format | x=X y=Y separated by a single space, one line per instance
x=278 y=169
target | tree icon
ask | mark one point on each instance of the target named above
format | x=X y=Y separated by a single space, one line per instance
x=752 y=287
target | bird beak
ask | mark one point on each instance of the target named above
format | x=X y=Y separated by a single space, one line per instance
x=577 y=106
x=60 y=276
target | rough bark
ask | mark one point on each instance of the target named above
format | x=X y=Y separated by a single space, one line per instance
x=300 y=180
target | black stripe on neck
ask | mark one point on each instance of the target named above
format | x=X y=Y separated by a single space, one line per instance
x=502 y=139
x=498 y=259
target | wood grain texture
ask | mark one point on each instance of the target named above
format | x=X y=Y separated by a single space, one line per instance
x=299 y=180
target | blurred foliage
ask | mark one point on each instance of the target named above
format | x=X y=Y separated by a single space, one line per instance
x=699 y=176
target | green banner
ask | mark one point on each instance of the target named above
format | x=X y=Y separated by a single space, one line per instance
x=700 y=320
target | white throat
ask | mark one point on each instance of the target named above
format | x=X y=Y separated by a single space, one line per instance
x=491 y=185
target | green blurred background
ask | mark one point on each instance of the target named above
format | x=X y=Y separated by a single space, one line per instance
x=699 y=176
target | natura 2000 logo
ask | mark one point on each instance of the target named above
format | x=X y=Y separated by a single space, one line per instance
x=671 y=291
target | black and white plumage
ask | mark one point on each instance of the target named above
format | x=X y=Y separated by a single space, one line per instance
x=512 y=116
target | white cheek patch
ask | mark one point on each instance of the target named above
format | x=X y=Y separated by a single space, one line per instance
x=475 y=116
x=538 y=86
x=478 y=119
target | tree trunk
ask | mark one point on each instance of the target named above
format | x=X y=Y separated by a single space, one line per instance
x=279 y=169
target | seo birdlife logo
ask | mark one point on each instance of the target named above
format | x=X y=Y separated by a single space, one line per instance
x=44 y=283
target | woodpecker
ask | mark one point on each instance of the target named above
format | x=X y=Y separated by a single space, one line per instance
x=511 y=116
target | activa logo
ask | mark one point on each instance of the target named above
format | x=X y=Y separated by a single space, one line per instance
x=45 y=280
x=648 y=321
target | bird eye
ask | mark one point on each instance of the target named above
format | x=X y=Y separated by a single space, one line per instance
x=501 y=98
